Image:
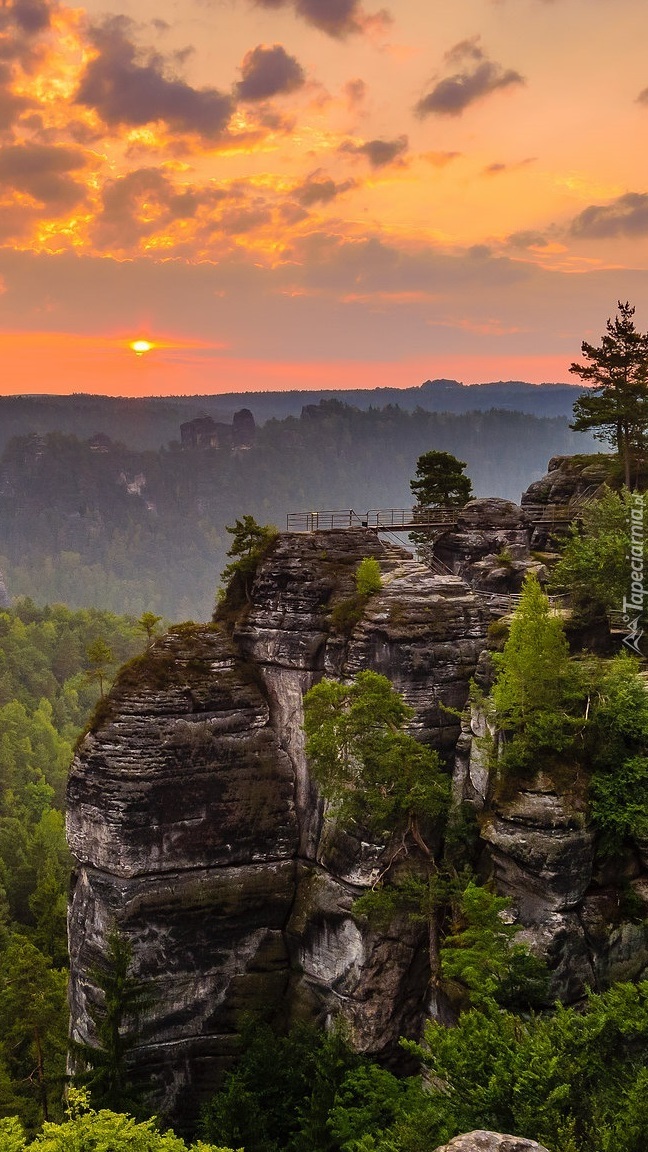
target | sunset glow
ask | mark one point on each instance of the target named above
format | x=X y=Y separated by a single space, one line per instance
x=307 y=185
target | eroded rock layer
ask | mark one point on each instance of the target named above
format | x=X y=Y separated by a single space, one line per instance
x=198 y=832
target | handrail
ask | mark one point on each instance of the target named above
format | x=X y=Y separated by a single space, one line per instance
x=325 y=521
x=411 y=517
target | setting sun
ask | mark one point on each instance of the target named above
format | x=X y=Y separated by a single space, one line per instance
x=139 y=347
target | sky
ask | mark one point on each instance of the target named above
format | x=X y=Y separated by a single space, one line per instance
x=316 y=193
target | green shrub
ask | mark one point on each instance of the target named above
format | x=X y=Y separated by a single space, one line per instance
x=347 y=613
x=368 y=578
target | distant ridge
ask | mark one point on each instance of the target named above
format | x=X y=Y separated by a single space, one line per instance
x=154 y=421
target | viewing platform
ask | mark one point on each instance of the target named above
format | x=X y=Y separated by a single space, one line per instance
x=440 y=517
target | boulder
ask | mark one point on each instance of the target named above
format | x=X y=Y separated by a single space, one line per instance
x=481 y=1141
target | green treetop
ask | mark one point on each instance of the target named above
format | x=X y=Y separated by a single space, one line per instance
x=537 y=687
x=616 y=406
x=366 y=764
x=440 y=479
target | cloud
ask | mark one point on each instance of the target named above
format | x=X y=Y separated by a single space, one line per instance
x=527 y=239
x=145 y=203
x=498 y=167
x=125 y=91
x=378 y=152
x=11 y=106
x=625 y=216
x=355 y=92
x=31 y=16
x=479 y=77
x=269 y=72
x=338 y=18
x=320 y=189
x=43 y=172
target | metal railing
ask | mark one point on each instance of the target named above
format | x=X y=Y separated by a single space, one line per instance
x=562 y=513
x=411 y=518
x=323 y=521
x=508 y=601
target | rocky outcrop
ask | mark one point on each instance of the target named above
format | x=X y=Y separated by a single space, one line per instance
x=585 y=917
x=490 y=546
x=569 y=478
x=197 y=831
x=481 y=1141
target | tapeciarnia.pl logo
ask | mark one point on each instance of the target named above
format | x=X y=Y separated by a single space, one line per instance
x=634 y=605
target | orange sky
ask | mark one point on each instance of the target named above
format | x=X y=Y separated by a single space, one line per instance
x=316 y=193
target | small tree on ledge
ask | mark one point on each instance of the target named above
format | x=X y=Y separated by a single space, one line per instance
x=250 y=542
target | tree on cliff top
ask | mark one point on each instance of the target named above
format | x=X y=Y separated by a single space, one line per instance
x=616 y=406
x=250 y=542
x=440 y=480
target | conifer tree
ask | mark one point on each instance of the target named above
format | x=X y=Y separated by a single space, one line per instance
x=616 y=406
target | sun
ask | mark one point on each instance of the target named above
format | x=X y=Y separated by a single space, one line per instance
x=139 y=347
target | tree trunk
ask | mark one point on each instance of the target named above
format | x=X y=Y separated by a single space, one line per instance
x=40 y=1068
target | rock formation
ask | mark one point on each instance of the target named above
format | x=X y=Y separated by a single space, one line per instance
x=196 y=828
x=491 y=1142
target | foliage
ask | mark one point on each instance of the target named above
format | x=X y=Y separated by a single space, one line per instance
x=368 y=767
x=616 y=404
x=570 y=1080
x=250 y=542
x=87 y=1130
x=616 y=745
x=348 y=612
x=369 y=1100
x=538 y=688
x=117 y=1018
x=45 y=696
x=595 y=561
x=33 y=1030
x=440 y=480
x=480 y=957
x=368 y=577
x=279 y=1096
x=100 y=658
x=149 y=623
x=589 y=715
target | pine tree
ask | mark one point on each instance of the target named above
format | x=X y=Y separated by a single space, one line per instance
x=616 y=407
x=440 y=480
x=117 y=1019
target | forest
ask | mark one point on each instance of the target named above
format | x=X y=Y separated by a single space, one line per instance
x=54 y=665
x=573 y=1078
x=134 y=530
x=152 y=422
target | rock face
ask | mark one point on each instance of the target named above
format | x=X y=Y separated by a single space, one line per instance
x=490 y=547
x=491 y=1142
x=197 y=831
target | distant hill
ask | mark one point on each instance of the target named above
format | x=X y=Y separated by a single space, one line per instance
x=152 y=422
x=89 y=521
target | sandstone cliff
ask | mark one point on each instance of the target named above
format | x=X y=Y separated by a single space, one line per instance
x=196 y=829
